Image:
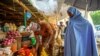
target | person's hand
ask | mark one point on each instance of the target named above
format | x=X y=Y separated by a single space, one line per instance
x=47 y=45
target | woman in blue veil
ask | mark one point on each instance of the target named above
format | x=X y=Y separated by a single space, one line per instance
x=79 y=36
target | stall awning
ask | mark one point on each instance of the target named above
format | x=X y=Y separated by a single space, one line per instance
x=92 y=4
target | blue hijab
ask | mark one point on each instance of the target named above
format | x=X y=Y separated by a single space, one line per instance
x=79 y=36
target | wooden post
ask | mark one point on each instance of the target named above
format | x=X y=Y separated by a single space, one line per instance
x=25 y=21
x=86 y=9
x=19 y=43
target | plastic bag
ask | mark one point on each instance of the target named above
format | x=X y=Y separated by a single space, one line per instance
x=43 y=52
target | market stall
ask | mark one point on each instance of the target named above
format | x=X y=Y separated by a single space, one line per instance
x=24 y=30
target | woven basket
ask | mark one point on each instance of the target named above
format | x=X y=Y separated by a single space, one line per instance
x=25 y=34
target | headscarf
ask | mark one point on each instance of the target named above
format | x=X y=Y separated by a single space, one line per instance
x=74 y=11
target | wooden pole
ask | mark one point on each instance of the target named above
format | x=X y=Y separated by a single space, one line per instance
x=25 y=21
x=86 y=10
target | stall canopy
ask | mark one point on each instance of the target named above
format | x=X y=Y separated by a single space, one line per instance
x=91 y=5
x=13 y=11
x=46 y=6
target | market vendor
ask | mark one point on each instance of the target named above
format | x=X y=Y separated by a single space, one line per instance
x=46 y=32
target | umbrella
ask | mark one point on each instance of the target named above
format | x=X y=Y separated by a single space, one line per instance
x=90 y=5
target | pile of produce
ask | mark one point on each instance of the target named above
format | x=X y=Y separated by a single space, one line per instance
x=10 y=38
x=13 y=34
x=25 y=52
x=9 y=27
x=8 y=41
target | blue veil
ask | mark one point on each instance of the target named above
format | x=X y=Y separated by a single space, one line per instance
x=79 y=36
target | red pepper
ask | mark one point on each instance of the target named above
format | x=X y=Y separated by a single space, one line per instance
x=27 y=51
